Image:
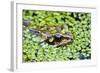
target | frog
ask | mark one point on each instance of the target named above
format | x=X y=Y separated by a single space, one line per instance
x=56 y=40
x=60 y=39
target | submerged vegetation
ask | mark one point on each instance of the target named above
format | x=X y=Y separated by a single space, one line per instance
x=39 y=22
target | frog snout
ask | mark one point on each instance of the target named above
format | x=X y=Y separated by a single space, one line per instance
x=68 y=35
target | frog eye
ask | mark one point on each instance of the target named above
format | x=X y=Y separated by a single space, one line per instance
x=58 y=35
